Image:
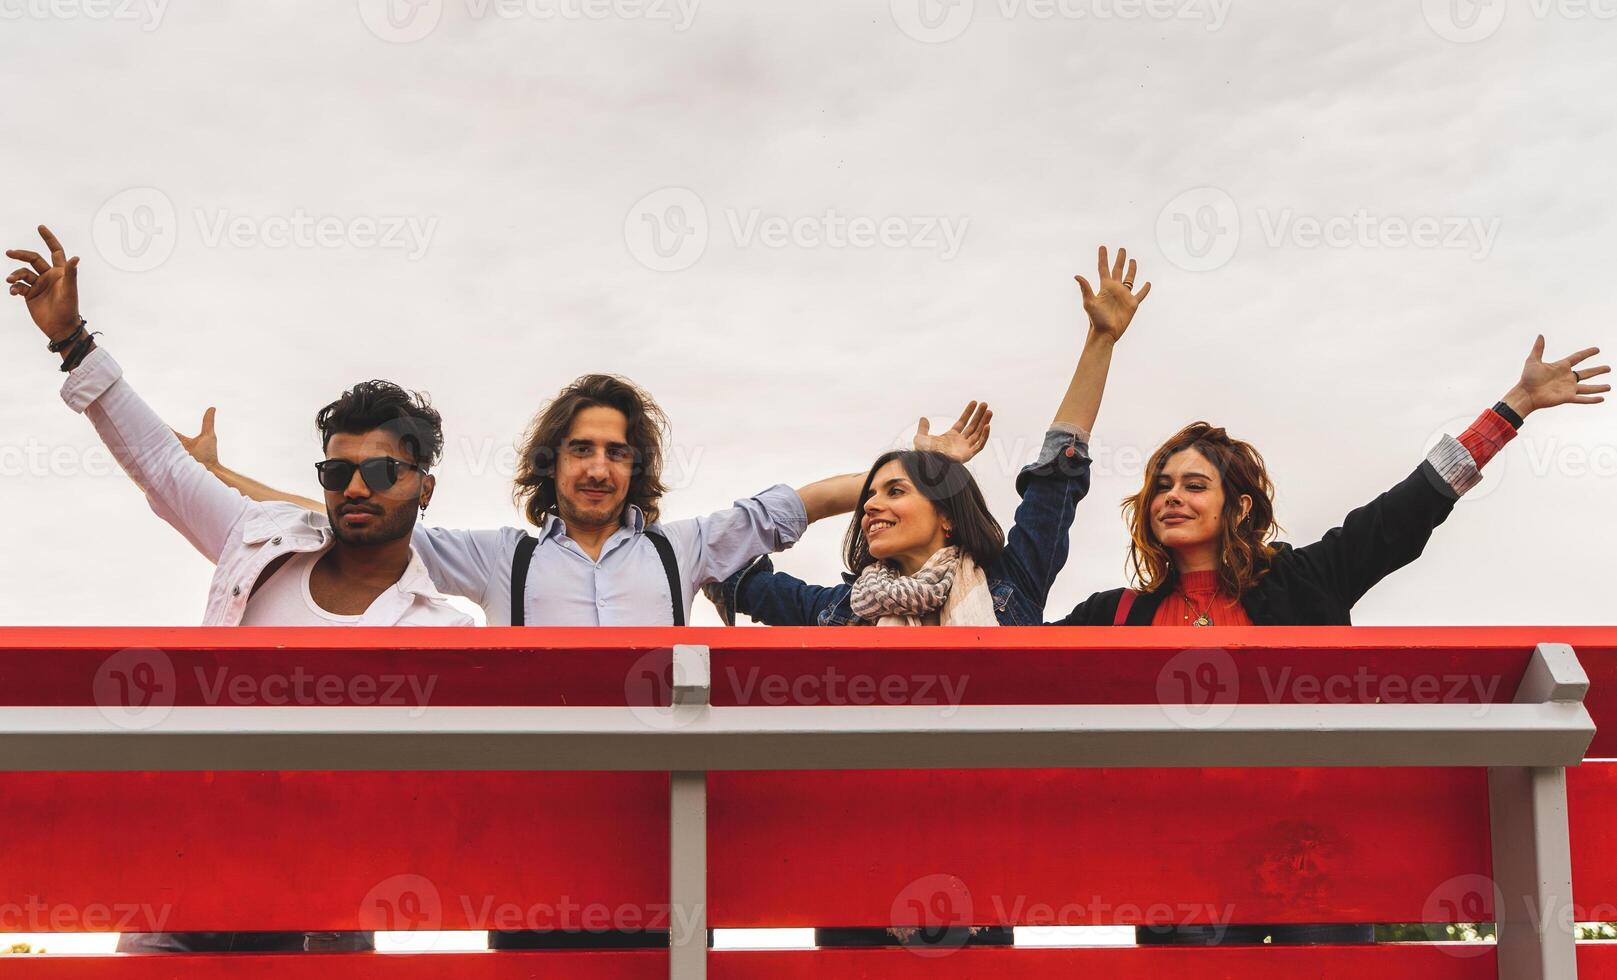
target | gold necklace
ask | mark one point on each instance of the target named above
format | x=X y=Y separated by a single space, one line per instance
x=1202 y=618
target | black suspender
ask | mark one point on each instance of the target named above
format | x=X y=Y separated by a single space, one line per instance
x=519 y=577
x=665 y=551
x=524 y=557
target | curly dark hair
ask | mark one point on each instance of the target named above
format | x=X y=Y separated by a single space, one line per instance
x=535 y=489
x=372 y=405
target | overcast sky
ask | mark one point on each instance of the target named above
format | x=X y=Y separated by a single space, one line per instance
x=801 y=226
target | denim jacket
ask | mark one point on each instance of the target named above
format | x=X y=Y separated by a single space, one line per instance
x=1019 y=579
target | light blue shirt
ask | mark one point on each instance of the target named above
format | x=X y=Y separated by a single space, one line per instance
x=627 y=585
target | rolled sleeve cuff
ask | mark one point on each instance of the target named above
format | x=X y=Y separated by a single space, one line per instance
x=1454 y=465
x=1065 y=453
x=726 y=595
x=1067 y=428
x=786 y=512
x=90 y=380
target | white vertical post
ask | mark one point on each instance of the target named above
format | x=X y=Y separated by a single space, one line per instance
x=1532 y=869
x=1532 y=844
x=687 y=876
x=687 y=830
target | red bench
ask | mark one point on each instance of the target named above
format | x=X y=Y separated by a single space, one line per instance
x=194 y=779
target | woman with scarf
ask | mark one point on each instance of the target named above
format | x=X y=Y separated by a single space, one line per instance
x=923 y=548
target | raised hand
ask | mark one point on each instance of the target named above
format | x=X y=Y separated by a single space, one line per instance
x=964 y=440
x=1112 y=306
x=1546 y=384
x=50 y=289
x=204 y=446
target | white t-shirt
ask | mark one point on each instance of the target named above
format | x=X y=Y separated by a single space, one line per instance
x=285 y=599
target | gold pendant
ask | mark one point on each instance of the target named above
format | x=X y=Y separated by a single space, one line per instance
x=1202 y=620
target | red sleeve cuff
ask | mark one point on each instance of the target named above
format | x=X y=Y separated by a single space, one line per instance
x=1486 y=436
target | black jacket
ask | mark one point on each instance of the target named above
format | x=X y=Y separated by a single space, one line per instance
x=1317 y=585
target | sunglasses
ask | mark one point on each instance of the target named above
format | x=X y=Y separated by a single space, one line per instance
x=379 y=473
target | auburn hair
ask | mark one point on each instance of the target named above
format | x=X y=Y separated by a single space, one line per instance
x=535 y=484
x=1244 y=547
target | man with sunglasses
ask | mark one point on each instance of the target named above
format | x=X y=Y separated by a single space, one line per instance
x=277 y=564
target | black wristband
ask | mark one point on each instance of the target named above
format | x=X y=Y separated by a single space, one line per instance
x=57 y=346
x=1508 y=414
x=80 y=351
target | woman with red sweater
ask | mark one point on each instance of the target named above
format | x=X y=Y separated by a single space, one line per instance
x=1203 y=553
x=1203 y=522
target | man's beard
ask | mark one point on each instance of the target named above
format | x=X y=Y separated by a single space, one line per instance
x=573 y=515
x=383 y=529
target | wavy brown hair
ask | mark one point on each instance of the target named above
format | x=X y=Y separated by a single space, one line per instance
x=535 y=489
x=1245 y=549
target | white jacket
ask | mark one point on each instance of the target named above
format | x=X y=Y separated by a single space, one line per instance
x=238 y=535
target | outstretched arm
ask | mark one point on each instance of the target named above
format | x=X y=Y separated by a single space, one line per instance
x=204 y=448
x=1111 y=309
x=178 y=490
x=1051 y=488
x=964 y=440
x=1391 y=531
